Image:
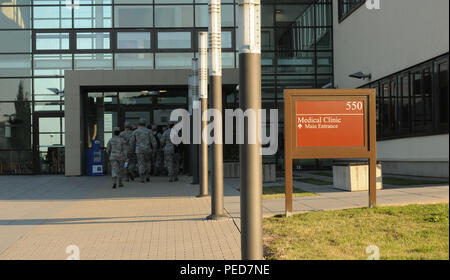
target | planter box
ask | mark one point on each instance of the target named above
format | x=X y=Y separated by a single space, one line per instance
x=354 y=177
x=232 y=170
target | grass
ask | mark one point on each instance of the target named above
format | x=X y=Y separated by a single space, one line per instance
x=409 y=182
x=414 y=232
x=275 y=192
x=313 y=181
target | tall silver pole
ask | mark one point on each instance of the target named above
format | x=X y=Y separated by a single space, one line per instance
x=195 y=101
x=250 y=153
x=203 y=77
x=217 y=200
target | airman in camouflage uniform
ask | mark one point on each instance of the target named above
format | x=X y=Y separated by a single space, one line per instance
x=156 y=155
x=142 y=140
x=129 y=152
x=170 y=157
x=116 y=152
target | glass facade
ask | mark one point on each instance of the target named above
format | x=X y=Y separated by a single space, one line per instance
x=39 y=40
x=413 y=102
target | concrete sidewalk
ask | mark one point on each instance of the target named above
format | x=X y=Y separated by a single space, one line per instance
x=41 y=215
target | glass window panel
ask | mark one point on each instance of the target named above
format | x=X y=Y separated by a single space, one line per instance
x=50 y=139
x=133 y=1
x=93 y=41
x=52 y=41
x=295 y=39
x=324 y=39
x=52 y=17
x=51 y=125
x=294 y=15
x=15 y=125
x=14 y=65
x=227 y=15
x=174 y=60
x=15 y=162
x=134 y=60
x=98 y=2
x=324 y=63
x=18 y=41
x=226 y=39
x=51 y=64
x=201 y=16
x=267 y=13
x=132 y=98
x=173 y=1
x=174 y=16
x=267 y=39
x=133 y=40
x=93 y=61
x=228 y=60
x=296 y=62
x=443 y=94
x=133 y=16
x=49 y=106
x=15 y=89
x=174 y=40
x=267 y=63
x=15 y=17
x=42 y=85
x=93 y=17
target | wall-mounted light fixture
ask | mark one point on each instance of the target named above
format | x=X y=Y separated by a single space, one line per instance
x=361 y=75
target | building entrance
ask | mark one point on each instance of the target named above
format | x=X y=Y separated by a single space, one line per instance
x=107 y=109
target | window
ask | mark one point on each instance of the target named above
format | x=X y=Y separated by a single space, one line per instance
x=93 y=41
x=133 y=16
x=346 y=7
x=413 y=102
x=174 y=40
x=52 y=41
x=133 y=40
x=174 y=16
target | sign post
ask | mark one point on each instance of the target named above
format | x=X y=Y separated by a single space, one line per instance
x=330 y=124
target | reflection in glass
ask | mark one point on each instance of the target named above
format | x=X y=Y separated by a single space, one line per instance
x=15 y=89
x=93 y=61
x=133 y=40
x=134 y=60
x=51 y=64
x=42 y=85
x=174 y=16
x=18 y=41
x=93 y=41
x=52 y=41
x=132 y=98
x=174 y=40
x=93 y=17
x=15 y=17
x=52 y=17
x=15 y=162
x=133 y=16
x=296 y=62
x=173 y=60
x=15 y=65
x=15 y=124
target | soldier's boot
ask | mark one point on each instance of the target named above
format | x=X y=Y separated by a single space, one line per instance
x=176 y=178
x=120 y=183
x=171 y=179
x=142 y=177
x=147 y=179
x=114 y=182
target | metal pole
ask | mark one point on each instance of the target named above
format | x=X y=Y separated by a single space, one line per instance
x=195 y=100
x=217 y=200
x=203 y=88
x=250 y=153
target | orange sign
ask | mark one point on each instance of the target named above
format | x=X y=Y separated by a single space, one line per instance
x=330 y=123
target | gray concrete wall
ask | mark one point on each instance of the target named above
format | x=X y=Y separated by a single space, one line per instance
x=401 y=34
x=76 y=79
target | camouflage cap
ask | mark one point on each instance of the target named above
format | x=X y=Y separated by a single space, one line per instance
x=117 y=129
x=142 y=121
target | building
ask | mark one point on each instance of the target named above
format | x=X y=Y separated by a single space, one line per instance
x=404 y=46
x=111 y=61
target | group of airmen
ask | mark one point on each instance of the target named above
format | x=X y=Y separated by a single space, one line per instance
x=133 y=153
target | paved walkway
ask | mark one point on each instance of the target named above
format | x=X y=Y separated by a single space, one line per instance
x=41 y=215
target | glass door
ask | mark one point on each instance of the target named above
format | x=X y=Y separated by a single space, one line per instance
x=48 y=144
